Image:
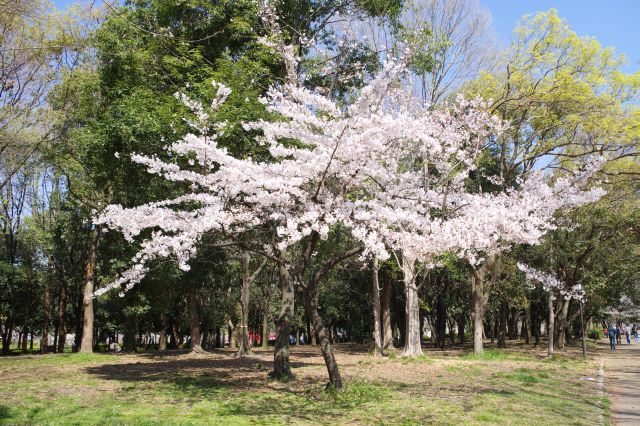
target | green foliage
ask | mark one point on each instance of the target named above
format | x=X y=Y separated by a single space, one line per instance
x=595 y=334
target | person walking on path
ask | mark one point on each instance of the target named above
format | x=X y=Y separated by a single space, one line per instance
x=618 y=334
x=627 y=332
x=634 y=331
x=612 y=337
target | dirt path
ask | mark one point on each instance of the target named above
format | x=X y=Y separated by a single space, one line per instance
x=622 y=382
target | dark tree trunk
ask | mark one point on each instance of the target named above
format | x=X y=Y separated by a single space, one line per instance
x=162 y=342
x=62 y=324
x=550 y=325
x=479 y=299
x=514 y=317
x=441 y=322
x=377 y=332
x=7 y=332
x=244 y=346
x=462 y=324
x=86 y=345
x=46 y=312
x=25 y=335
x=281 y=368
x=194 y=322
x=265 y=322
x=129 y=344
x=310 y=302
x=502 y=327
x=561 y=324
x=387 y=331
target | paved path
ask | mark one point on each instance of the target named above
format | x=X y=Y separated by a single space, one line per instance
x=622 y=383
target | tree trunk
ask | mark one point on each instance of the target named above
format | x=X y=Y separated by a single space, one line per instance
x=62 y=325
x=526 y=325
x=244 y=346
x=7 y=333
x=387 y=331
x=194 y=323
x=502 y=328
x=377 y=333
x=314 y=336
x=281 y=368
x=561 y=324
x=413 y=334
x=86 y=345
x=233 y=334
x=479 y=299
x=550 y=326
x=265 y=323
x=162 y=343
x=462 y=325
x=129 y=344
x=25 y=335
x=310 y=302
x=46 y=313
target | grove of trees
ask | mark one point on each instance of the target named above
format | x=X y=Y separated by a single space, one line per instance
x=195 y=174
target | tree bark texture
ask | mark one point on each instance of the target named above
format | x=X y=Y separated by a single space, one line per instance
x=86 y=344
x=62 y=324
x=387 y=331
x=413 y=334
x=281 y=367
x=310 y=302
x=550 y=325
x=377 y=332
x=194 y=322
x=244 y=346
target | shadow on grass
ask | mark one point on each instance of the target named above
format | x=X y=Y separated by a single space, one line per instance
x=239 y=386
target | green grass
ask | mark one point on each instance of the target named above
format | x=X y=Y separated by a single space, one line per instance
x=496 y=388
x=496 y=355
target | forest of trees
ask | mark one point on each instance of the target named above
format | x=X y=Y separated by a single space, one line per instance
x=195 y=174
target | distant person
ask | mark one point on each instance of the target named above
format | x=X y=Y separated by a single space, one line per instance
x=634 y=331
x=612 y=336
x=618 y=334
x=627 y=332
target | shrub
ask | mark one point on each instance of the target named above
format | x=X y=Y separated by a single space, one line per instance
x=595 y=334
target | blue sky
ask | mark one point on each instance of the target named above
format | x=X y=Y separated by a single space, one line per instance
x=613 y=23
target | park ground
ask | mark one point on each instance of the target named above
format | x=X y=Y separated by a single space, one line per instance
x=513 y=386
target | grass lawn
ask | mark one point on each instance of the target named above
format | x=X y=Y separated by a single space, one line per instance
x=515 y=386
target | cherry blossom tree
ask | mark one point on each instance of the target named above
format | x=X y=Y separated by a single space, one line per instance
x=556 y=288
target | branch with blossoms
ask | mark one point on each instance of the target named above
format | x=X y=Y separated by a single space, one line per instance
x=553 y=285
